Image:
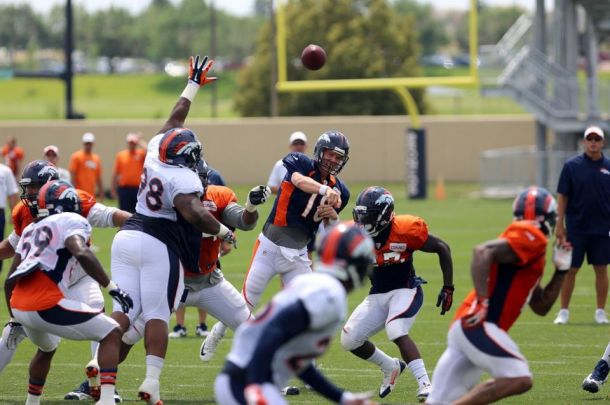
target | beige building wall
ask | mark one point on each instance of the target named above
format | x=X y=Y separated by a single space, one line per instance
x=244 y=150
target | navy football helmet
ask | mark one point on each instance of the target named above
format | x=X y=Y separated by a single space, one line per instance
x=335 y=141
x=34 y=176
x=347 y=253
x=536 y=204
x=180 y=147
x=202 y=172
x=374 y=210
x=58 y=196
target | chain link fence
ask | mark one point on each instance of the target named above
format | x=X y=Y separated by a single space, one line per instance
x=504 y=172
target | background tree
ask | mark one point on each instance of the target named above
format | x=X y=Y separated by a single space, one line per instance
x=431 y=30
x=362 y=38
x=493 y=24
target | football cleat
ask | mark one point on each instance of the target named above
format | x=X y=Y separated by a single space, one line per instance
x=390 y=377
x=562 y=317
x=600 y=317
x=178 y=332
x=81 y=393
x=597 y=378
x=93 y=374
x=210 y=343
x=423 y=392
x=149 y=392
x=291 y=390
x=202 y=330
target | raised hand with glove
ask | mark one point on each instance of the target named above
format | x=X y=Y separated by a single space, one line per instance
x=257 y=196
x=198 y=70
x=120 y=296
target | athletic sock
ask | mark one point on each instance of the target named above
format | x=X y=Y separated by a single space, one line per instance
x=418 y=369
x=154 y=365
x=381 y=359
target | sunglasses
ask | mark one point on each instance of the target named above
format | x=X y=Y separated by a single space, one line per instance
x=594 y=138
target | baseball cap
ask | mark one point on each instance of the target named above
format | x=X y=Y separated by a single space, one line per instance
x=132 y=138
x=88 y=137
x=297 y=136
x=51 y=148
x=594 y=130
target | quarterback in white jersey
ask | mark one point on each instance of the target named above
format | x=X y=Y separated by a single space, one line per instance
x=297 y=326
x=48 y=248
x=161 y=240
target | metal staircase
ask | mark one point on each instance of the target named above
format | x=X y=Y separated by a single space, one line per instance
x=559 y=97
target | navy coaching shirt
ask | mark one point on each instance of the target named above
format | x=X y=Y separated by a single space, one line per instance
x=586 y=183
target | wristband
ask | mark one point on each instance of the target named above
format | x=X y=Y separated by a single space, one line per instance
x=322 y=190
x=251 y=208
x=112 y=286
x=223 y=231
x=190 y=91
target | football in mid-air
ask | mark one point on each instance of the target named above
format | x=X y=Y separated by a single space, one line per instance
x=313 y=57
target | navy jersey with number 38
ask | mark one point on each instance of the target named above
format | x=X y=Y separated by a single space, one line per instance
x=296 y=208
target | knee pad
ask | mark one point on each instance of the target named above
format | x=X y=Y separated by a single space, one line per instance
x=351 y=341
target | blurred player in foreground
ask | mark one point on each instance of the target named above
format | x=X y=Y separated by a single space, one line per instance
x=48 y=250
x=297 y=326
x=396 y=295
x=506 y=273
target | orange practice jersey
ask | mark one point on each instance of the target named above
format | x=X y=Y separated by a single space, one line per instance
x=35 y=292
x=510 y=285
x=22 y=216
x=394 y=264
x=216 y=199
x=12 y=157
x=128 y=166
x=86 y=169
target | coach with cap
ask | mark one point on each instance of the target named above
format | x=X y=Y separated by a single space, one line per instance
x=583 y=198
x=86 y=168
x=296 y=143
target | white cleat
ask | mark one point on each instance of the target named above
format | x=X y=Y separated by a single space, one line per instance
x=390 y=377
x=149 y=392
x=423 y=392
x=562 y=317
x=92 y=369
x=600 y=317
x=210 y=343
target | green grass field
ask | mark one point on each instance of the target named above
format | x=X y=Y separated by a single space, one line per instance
x=560 y=356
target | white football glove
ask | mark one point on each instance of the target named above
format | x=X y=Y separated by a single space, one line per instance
x=257 y=196
x=356 y=398
x=562 y=257
x=13 y=334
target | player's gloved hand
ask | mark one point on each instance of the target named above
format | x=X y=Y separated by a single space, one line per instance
x=356 y=398
x=15 y=334
x=254 y=395
x=120 y=296
x=478 y=315
x=562 y=256
x=198 y=70
x=230 y=238
x=257 y=196
x=445 y=298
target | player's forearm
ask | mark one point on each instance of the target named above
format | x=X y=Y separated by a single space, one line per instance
x=543 y=299
x=321 y=384
x=562 y=203
x=178 y=115
x=92 y=267
x=446 y=263
x=6 y=250
x=306 y=184
x=479 y=269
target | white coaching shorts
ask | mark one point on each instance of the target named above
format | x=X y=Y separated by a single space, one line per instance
x=68 y=319
x=470 y=352
x=149 y=272
x=395 y=311
x=269 y=259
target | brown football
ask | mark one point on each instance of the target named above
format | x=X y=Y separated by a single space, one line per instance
x=313 y=57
